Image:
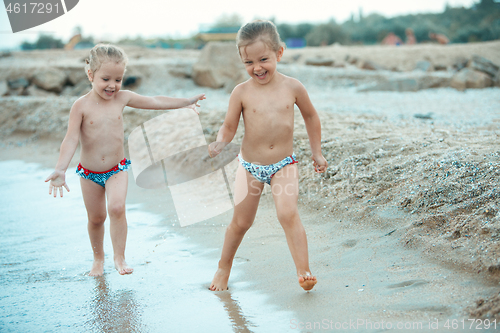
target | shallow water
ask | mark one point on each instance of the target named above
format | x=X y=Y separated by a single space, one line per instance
x=45 y=257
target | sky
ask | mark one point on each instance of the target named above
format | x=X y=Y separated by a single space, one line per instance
x=111 y=20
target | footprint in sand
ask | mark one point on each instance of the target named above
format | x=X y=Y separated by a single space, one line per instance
x=350 y=243
x=409 y=283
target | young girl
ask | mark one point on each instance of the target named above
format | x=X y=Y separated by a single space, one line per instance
x=266 y=102
x=96 y=121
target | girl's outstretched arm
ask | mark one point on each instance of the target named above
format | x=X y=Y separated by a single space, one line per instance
x=313 y=126
x=230 y=125
x=68 y=147
x=161 y=102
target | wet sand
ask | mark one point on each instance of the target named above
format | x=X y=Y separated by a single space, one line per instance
x=46 y=257
x=366 y=278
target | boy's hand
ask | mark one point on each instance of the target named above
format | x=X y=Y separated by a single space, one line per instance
x=195 y=100
x=215 y=148
x=57 y=181
x=320 y=164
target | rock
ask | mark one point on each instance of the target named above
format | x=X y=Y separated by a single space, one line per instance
x=350 y=60
x=131 y=81
x=468 y=78
x=440 y=67
x=218 y=64
x=80 y=89
x=319 y=62
x=18 y=83
x=483 y=65
x=424 y=66
x=4 y=88
x=370 y=65
x=75 y=76
x=460 y=63
x=34 y=91
x=434 y=81
x=51 y=79
x=405 y=84
x=182 y=71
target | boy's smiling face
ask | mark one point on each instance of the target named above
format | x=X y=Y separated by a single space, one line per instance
x=260 y=61
x=107 y=80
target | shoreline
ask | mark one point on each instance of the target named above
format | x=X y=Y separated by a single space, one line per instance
x=383 y=266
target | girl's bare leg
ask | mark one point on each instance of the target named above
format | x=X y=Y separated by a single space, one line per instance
x=116 y=191
x=95 y=203
x=285 y=189
x=247 y=191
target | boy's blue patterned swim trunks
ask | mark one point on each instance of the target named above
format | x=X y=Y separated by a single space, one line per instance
x=101 y=177
x=264 y=173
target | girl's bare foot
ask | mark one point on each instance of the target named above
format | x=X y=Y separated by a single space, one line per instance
x=307 y=281
x=97 y=268
x=221 y=277
x=122 y=267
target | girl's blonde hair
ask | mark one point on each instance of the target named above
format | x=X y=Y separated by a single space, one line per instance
x=101 y=53
x=259 y=30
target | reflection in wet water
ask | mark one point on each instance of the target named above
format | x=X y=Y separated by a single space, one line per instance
x=113 y=311
x=239 y=322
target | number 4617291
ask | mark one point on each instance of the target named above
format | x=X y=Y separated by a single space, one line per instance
x=478 y=324
x=32 y=7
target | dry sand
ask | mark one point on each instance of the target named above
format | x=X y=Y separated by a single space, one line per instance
x=403 y=227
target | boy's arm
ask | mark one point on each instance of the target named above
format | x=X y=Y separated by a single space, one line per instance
x=68 y=147
x=161 y=102
x=230 y=125
x=313 y=126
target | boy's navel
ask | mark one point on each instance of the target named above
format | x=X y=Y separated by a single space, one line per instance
x=271 y=147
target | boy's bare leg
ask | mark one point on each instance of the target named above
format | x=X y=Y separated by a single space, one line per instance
x=116 y=191
x=285 y=189
x=95 y=203
x=247 y=191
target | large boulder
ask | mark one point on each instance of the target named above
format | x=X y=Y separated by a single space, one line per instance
x=219 y=66
x=50 y=79
x=469 y=78
x=483 y=65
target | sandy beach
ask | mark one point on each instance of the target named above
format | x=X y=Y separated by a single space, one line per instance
x=403 y=230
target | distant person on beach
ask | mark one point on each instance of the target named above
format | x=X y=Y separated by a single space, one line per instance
x=96 y=121
x=440 y=38
x=410 y=37
x=266 y=102
x=391 y=39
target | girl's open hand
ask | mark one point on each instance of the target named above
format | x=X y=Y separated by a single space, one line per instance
x=320 y=164
x=195 y=104
x=57 y=181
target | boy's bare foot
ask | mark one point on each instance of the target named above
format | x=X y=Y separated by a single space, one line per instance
x=219 y=283
x=307 y=281
x=97 y=268
x=122 y=267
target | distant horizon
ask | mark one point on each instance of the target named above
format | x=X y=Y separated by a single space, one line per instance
x=120 y=19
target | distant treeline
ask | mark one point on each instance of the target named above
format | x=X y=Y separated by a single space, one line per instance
x=481 y=22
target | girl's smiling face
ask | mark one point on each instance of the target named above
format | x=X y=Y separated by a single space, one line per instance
x=260 y=61
x=107 y=80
